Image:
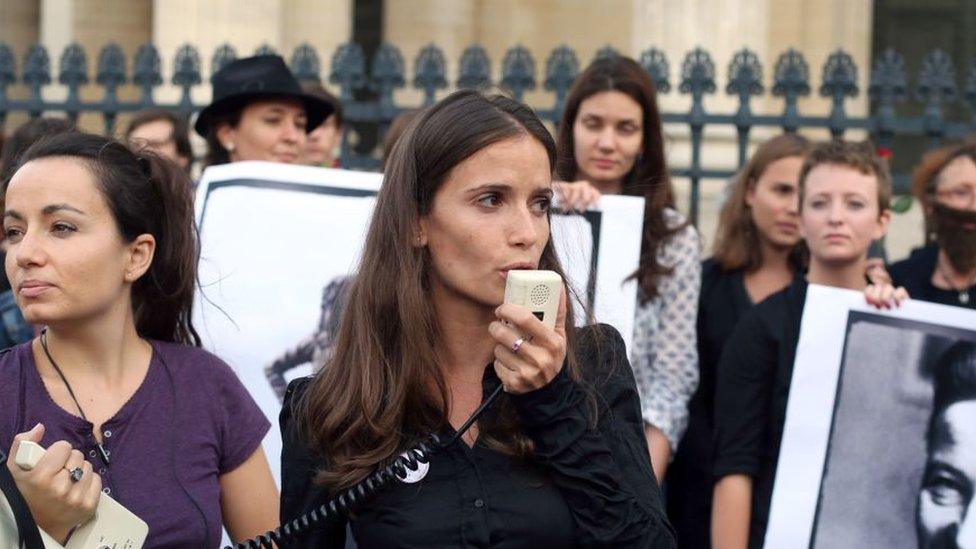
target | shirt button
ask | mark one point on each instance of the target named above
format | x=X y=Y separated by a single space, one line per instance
x=92 y=453
x=108 y=434
x=101 y=471
x=106 y=490
x=479 y=503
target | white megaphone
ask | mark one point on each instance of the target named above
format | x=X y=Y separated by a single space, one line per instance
x=112 y=527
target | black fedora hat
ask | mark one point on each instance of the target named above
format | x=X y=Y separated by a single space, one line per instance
x=262 y=76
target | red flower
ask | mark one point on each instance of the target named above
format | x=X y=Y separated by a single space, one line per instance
x=883 y=152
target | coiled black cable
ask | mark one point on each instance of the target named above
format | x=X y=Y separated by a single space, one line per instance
x=365 y=489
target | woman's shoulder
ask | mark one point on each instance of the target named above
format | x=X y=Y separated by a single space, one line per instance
x=676 y=221
x=683 y=240
x=12 y=358
x=16 y=388
x=196 y=366
x=288 y=419
x=187 y=355
x=673 y=218
x=713 y=271
x=600 y=351
x=918 y=266
x=777 y=313
x=718 y=281
x=14 y=362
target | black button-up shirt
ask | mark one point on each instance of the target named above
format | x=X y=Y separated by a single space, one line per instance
x=583 y=486
x=751 y=393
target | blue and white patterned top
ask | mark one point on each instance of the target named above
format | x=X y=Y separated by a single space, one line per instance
x=664 y=353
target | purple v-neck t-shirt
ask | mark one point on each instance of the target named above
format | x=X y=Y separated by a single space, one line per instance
x=189 y=422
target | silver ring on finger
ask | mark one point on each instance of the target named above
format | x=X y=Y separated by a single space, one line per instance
x=75 y=474
x=518 y=344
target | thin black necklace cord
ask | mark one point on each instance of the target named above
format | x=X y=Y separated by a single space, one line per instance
x=47 y=352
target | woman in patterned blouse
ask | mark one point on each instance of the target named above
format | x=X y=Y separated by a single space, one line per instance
x=611 y=142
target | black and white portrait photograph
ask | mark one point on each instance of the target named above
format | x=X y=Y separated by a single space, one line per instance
x=885 y=413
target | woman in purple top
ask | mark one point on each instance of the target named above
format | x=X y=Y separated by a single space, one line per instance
x=103 y=253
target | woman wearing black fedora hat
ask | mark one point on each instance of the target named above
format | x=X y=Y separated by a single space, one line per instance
x=258 y=112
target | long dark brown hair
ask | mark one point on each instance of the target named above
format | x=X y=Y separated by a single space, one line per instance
x=649 y=177
x=146 y=194
x=216 y=153
x=737 y=243
x=384 y=387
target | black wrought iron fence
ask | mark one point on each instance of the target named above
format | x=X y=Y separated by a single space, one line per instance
x=935 y=88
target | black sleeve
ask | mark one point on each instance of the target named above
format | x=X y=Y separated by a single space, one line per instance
x=299 y=493
x=604 y=473
x=742 y=396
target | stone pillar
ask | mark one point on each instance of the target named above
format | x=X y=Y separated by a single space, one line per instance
x=323 y=25
x=92 y=24
x=543 y=25
x=208 y=25
x=410 y=25
x=818 y=29
x=20 y=25
x=281 y=24
x=19 y=29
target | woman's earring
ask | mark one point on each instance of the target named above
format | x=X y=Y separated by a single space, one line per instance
x=230 y=147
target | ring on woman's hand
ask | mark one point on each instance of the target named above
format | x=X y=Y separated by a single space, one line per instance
x=518 y=345
x=75 y=474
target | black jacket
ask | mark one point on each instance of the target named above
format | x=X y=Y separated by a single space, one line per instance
x=583 y=487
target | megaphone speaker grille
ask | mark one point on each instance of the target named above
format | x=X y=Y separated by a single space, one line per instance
x=539 y=294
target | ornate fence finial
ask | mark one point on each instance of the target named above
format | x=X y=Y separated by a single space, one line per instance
x=745 y=75
x=348 y=69
x=655 y=62
x=8 y=75
x=791 y=81
x=889 y=80
x=430 y=72
x=111 y=68
x=745 y=81
x=839 y=82
x=186 y=67
x=146 y=72
x=518 y=71
x=889 y=85
x=186 y=74
x=697 y=78
x=37 y=73
x=73 y=67
x=936 y=86
x=839 y=76
x=305 y=63
x=37 y=67
x=223 y=55
x=8 y=69
x=474 y=70
x=110 y=74
x=606 y=52
x=792 y=75
x=387 y=72
x=970 y=92
x=697 y=73
x=936 y=78
x=265 y=49
x=562 y=68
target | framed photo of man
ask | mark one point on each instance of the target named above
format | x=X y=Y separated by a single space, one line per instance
x=879 y=444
